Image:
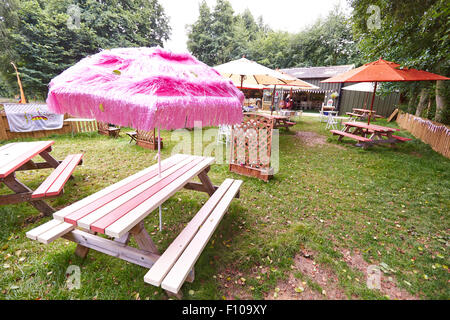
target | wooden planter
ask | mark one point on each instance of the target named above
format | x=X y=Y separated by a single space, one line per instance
x=251 y=147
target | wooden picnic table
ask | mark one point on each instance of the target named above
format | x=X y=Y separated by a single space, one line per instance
x=282 y=122
x=361 y=114
x=118 y=212
x=279 y=121
x=19 y=156
x=369 y=134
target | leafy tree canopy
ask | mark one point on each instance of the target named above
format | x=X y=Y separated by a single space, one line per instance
x=219 y=36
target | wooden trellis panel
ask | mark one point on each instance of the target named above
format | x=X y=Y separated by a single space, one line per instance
x=251 y=145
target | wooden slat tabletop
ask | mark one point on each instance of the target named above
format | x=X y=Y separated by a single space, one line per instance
x=13 y=155
x=370 y=126
x=116 y=209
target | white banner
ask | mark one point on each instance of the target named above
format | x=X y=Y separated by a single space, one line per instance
x=32 y=117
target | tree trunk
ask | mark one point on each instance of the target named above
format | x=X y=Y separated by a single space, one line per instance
x=412 y=101
x=422 y=102
x=440 y=102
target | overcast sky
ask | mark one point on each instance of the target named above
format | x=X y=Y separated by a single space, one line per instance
x=285 y=15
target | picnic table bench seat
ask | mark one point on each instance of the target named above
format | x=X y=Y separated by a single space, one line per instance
x=172 y=268
x=350 y=135
x=401 y=138
x=354 y=114
x=55 y=182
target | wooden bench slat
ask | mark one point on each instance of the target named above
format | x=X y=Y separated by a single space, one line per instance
x=34 y=233
x=6 y=150
x=124 y=224
x=85 y=201
x=101 y=224
x=89 y=219
x=42 y=189
x=160 y=269
x=350 y=135
x=6 y=146
x=55 y=232
x=59 y=183
x=401 y=138
x=108 y=198
x=176 y=276
x=24 y=157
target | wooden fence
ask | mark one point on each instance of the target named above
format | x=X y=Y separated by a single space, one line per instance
x=68 y=127
x=433 y=133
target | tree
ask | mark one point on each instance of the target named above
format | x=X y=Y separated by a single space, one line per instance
x=220 y=36
x=222 y=31
x=412 y=33
x=328 y=41
x=200 y=39
x=271 y=49
x=52 y=35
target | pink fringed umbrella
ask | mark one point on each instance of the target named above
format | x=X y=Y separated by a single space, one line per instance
x=146 y=88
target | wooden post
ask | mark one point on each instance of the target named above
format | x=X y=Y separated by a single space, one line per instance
x=371 y=104
x=19 y=188
x=273 y=99
x=143 y=239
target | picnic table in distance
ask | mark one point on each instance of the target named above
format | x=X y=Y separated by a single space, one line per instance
x=118 y=212
x=367 y=135
x=279 y=121
x=19 y=156
x=361 y=114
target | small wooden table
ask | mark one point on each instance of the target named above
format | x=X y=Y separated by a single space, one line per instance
x=369 y=134
x=18 y=156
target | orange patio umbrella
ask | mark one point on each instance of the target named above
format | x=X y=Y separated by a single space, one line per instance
x=383 y=71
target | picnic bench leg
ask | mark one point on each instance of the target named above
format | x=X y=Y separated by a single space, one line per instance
x=82 y=251
x=47 y=157
x=19 y=188
x=206 y=181
x=52 y=161
x=143 y=238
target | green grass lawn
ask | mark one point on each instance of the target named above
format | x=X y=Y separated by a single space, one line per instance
x=330 y=201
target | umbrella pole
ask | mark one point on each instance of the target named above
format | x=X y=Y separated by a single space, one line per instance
x=159 y=175
x=273 y=99
x=371 y=104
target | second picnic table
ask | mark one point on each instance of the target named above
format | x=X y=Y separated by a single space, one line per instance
x=369 y=134
x=118 y=212
x=18 y=156
x=361 y=114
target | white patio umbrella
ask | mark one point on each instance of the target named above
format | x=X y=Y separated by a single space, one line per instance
x=361 y=87
x=249 y=74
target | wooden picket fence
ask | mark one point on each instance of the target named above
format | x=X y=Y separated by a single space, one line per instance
x=433 y=133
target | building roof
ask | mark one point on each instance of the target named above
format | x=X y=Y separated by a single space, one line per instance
x=318 y=72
